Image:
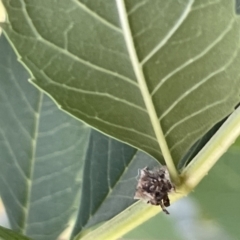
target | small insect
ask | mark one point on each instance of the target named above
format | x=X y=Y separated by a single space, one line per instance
x=153 y=186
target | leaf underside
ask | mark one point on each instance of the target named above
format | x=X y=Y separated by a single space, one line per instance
x=188 y=52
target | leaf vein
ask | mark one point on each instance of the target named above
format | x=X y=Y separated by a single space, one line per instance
x=111 y=124
x=97 y=16
x=195 y=87
x=13 y=195
x=195 y=114
x=52 y=196
x=137 y=6
x=87 y=92
x=15 y=117
x=59 y=153
x=54 y=130
x=175 y=27
x=40 y=38
x=144 y=90
x=192 y=60
x=201 y=6
x=8 y=146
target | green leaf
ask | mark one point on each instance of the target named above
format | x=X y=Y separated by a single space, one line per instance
x=219 y=193
x=42 y=155
x=62 y=144
x=109 y=181
x=6 y=234
x=149 y=73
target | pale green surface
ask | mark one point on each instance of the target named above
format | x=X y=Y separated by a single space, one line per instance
x=42 y=154
x=219 y=192
x=189 y=53
x=6 y=234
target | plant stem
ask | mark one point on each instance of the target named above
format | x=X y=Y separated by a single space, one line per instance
x=132 y=217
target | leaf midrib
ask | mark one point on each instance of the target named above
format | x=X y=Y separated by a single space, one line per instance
x=32 y=164
x=144 y=90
